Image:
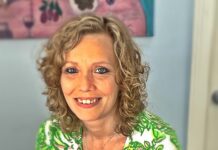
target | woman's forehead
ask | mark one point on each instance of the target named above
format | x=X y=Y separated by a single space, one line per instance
x=93 y=46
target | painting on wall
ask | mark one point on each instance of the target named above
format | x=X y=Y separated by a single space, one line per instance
x=40 y=18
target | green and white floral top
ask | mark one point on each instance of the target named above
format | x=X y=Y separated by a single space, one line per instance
x=151 y=133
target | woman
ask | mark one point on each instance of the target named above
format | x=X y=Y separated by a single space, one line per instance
x=96 y=91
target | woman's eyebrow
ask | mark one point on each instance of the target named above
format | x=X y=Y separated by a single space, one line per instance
x=94 y=63
x=102 y=62
x=71 y=62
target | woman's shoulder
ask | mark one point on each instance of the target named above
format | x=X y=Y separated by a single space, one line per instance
x=151 y=132
x=50 y=136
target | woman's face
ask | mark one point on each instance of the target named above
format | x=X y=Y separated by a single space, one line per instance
x=88 y=78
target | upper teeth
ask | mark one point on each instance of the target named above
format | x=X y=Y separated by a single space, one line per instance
x=87 y=101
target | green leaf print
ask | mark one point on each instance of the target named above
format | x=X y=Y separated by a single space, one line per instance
x=41 y=135
x=158 y=135
x=140 y=128
x=135 y=145
x=56 y=137
x=160 y=147
x=149 y=134
x=160 y=129
x=147 y=145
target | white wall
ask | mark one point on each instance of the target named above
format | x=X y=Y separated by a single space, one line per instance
x=169 y=54
x=22 y=107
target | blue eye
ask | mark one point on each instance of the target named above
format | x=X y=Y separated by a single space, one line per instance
x=71 y=70
x=101 y=70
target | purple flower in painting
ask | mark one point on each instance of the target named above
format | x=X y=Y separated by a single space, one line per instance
x=110 y=2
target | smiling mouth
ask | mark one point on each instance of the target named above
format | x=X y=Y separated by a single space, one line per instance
x=88 y=101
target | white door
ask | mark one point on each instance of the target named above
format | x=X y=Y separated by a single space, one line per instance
x=203 y=105
x=212 y=115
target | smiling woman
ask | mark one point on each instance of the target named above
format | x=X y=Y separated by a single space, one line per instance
x=96 y=90
x=82 y=78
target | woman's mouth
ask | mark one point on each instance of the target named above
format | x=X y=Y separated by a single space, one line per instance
x=87 y=102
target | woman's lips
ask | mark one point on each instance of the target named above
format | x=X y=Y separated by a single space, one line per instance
x=87 y=102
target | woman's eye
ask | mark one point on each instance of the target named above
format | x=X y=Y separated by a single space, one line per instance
x=71 y=70
x=101 y=70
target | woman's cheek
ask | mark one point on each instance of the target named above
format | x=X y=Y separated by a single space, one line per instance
x=107 y=87
x=67 y=85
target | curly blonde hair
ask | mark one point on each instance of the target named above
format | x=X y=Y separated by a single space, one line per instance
x=131 y=73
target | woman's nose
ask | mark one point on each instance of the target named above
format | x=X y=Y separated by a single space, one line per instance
x=86 y=83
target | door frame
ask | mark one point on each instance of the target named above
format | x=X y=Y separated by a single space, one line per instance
x=203 y=27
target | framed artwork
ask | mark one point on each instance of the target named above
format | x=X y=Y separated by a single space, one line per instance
x=40 y=18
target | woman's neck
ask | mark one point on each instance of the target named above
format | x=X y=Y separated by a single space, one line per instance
x=101 y=128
